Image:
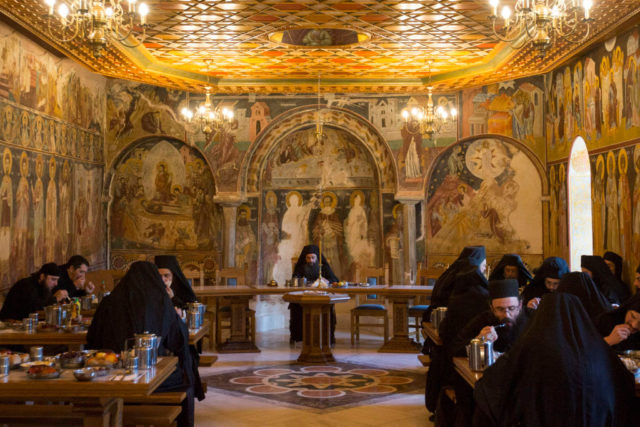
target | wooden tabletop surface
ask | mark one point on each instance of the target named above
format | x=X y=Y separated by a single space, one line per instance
x=212 y=291
x=462 y=367
x=315 y=297
x=432 y=333
x=17 y=385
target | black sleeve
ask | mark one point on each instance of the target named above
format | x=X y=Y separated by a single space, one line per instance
x=467 y=333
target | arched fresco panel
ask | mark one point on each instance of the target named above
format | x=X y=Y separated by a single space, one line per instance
x=484 y=191
x=162 y=201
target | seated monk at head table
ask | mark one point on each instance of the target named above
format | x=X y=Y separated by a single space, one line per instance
x=558 y=373
x=511 y=266
x=613 y=289
x=308 y=267
x=73 y=277
x=178 y=286
x=620 y=327
x=140 y=303
x=33 y=293
x=501 y=324
x=547 y=279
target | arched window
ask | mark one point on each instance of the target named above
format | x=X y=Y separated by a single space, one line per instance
x=579 y=190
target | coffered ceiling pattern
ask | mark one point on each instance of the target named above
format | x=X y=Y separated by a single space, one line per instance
x=227 y=44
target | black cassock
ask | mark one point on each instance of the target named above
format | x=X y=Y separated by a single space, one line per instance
x=295 y=317
x=182 y=291
x=607 y=321
x=552 y=267
x=25 y=297
x=514 y=260
x=140 y=303
x=581 y=285
x=613 y=289
x=560 y=372
x=66 y=284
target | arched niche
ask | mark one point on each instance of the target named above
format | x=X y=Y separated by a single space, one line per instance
x=160 y=194
x=579 y=190
x=311 y=191
x=306 y=116
x=485 y=190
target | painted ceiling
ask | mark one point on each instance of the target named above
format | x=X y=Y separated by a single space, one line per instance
x=257 y=46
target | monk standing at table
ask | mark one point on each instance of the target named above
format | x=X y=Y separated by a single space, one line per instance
x=32 y=293
x=308 y=267
x=73 y=277
x=140 y=304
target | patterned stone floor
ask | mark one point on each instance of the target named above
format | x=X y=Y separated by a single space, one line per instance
x=359 y=368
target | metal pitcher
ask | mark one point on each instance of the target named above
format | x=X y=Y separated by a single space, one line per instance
x=86 y=302
x=488 y=354
x=194 y=319
x=201 y=309
x=53 y=315
x=476 y=354
x=147 y=339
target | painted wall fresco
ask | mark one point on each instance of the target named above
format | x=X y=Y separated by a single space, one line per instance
x=484 y=191
x=597 y=97
x=162 y=202
x=51 y=121
x=513 y=108
x=557 y=237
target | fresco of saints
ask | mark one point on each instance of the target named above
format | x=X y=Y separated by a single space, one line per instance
x=65 y=211
x=599 y=212
x=356 y=228
x=393 y=244
x=38 y=214
x=327 y=231
x=606 y=92
x=163 y=183
x=25 y=130
x=270 y=231
x=20 y=254
x=636 y=207
x=563 y=211
x=246 y=246
x=611 y=198
x=51 y=215
x=6 y=216
x=616 y=72
x=553 y=210
x=624 y=201
x=412 y=161
x=294 y=234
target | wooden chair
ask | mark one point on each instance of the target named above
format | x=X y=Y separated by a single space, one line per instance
x=225 y=276
x=426 y=277
x=370 y=274
x=194 y=274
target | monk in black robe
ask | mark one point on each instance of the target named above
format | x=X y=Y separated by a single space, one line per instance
x=581 y=285
x=178 y=286
x=615 y=264
x=140 y=303
x=502 y=324
x=547 y=278
x=469 y=298
x=308 y=267
x=620 y=327
x=615 y=291
x=511 y=266
x=73 y=277
x=558 y=373
x=32 y=293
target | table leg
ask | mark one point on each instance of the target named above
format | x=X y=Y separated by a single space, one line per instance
x=316 y=334
x=400 y=342
x=105 y=412
x=240 y=339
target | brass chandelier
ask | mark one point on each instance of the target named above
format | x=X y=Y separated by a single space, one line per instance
x=209 y=118
x=98 y=22
x=541 y=22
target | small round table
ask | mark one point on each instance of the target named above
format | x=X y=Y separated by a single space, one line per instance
x=316 y=324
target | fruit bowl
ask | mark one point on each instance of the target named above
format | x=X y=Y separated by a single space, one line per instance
x=72 y=359
x=41 y=372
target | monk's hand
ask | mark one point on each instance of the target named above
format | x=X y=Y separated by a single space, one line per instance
x=533 y=303
x=79 y=282
x=488 y=333
x=178 y=310
x=89 y=287
x=61 y=295
x=169 y=291
x=619 y=334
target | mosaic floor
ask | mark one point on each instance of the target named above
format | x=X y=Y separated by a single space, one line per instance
x=319 y=387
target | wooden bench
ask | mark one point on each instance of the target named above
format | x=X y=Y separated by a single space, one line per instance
x=168 y=398
x=156 y=415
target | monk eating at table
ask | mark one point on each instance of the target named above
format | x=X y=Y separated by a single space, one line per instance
x=308 y=267
x=620 y=327
x=33 y=293
x=547 y=279
x=73 y=277
x=140 y=303
x=511 y=266
x=501 y=324
x=178 y=286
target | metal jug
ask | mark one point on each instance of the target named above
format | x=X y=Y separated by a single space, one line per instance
x=201 y=309
x=53 y=315
x=87 y=302
x=476 y=354
x=488 y=354
x=147 y=339
x=194 y=319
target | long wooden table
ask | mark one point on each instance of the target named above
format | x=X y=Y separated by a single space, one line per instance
x=75 y=340
x=240 y=340
x=432 y=333
x=99 y=402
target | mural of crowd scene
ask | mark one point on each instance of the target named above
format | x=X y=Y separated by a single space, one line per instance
x=485 y=192
x=35 y=225
x=558 y=235
x=31 y=77
x=513 y=108
x=162 y=199
x=615 y=197
x=596 y=97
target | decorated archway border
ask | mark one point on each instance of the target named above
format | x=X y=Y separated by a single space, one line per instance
x=292 y=120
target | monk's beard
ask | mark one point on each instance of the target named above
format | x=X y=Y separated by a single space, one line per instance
x=311 y=271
